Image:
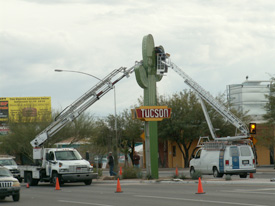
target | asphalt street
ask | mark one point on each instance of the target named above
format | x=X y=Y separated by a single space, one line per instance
x=257 y=191
x=150 y=193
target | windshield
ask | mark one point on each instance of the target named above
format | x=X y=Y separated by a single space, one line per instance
x=5 y=172
x=7 y=162
x=67 y=155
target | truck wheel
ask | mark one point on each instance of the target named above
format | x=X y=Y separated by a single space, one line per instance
x=16 y=197
x=192 y=171
x=88 y=182
x=30 y=180
x=216 y=173
x=54 y=176
x=243 y=175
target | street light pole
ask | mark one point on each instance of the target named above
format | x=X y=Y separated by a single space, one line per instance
x=62 y=70
x=115 y=127
x=116 y=149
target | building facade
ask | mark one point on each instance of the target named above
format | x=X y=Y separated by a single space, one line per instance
x=250 y=97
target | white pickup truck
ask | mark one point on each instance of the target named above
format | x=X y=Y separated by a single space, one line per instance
x=9 y=163
x=66 y=164
x=223 y=159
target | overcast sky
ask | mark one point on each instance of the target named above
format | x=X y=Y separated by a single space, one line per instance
x=216 y=42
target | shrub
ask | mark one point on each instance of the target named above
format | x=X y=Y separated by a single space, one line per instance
x=131 y=173
x=196 y=175
x=149 y=177
x=98 y=171
x=227 y=177
x=182 y=176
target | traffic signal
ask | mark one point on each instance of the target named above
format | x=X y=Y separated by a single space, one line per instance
x=252 y=128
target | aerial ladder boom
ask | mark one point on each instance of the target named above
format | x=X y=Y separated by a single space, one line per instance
x=81 y=104
x=206 y=96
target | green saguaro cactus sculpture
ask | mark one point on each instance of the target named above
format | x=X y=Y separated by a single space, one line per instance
x=146 y=76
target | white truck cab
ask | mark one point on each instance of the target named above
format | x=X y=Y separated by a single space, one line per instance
x=66 y=164
x=219 y=158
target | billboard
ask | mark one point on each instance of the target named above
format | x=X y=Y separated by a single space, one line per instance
x=25 y=109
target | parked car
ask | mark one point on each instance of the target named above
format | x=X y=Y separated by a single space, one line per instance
x=8 y=162
x=219 y=159
x=9 y=186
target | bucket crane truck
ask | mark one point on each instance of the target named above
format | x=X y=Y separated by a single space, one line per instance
x=215 y=157
x=164 y=62
x=67 y=164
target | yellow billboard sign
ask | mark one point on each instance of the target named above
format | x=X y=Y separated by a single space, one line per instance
x=25 y=109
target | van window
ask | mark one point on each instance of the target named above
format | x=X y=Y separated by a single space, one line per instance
x=198 y=155
x=51 y=156
x=234 y=151
x=245 y=151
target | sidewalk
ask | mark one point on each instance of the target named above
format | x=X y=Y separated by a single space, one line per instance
x=266 y=168
x=168 y=179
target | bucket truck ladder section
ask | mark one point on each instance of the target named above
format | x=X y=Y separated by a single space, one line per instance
x=81 y=104
x=206 y=96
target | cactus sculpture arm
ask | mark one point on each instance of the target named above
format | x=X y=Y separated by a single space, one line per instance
x=149 y=64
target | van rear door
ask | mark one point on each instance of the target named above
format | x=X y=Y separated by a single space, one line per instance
x=246 y=157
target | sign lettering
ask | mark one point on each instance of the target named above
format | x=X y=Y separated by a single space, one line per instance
x=151 y=113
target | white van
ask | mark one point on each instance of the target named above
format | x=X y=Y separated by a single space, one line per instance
x=9 y=163
x=219 y=158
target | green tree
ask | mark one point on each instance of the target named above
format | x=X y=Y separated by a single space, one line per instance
x=270 y=106
x=268 y=135
x=187 y=122
x=223 y=127
x=106 y=138
x=22 y=132
x=133 y=128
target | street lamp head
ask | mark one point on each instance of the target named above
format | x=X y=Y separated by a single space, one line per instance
x=58 y=70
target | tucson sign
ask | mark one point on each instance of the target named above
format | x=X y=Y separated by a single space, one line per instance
x=151 y=113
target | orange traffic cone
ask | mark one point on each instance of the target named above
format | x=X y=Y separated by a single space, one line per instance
x=57 y=186
x=118 y=188
x=200 y=190
x=120 y=171
x=28 y=185
x=251 y=175
x=177 y=172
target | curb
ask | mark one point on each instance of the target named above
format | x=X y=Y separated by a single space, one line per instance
x=180 y=181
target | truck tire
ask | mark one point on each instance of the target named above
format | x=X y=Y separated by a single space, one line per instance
x=16 y=197
x=216 y=173
x=192 y=171
x=88 y=182
x=30 y=180
x=244 y=175
x=54 y=176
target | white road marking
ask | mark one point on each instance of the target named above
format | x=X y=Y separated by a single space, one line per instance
x=253 y=191
x=83 y=203
x=194 y=200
